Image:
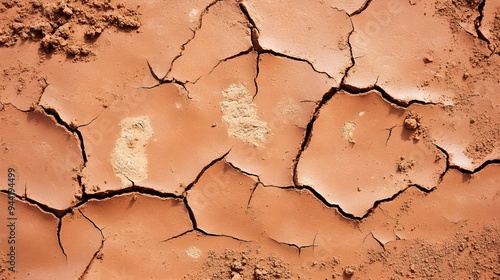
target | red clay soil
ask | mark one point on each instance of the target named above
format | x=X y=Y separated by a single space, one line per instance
x=250 y=139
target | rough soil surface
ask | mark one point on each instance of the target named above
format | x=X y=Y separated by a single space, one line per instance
x=249 y=139
x=63 y=27
x=240 y=114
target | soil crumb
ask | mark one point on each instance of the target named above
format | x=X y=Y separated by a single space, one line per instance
x=349 y=270
x=405 y=165
x=129 y=158
x=413 y=122
x=240 y=114
x=347 y=131
x=69 y=27
x=243 y=265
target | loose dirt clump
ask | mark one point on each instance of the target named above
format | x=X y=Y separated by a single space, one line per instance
x=405 y=165
x=347 y=131
x=349 y=271
x=461 y=13
x=240 y=114
x=56 y=26
x=412 y=122
x=244 y=265
x=129 y=158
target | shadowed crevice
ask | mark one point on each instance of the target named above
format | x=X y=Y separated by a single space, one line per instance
x=59 y=225
x=70 y=128
x=308 y=134
x=362 y=8
x=478 y=22
x=203 y=170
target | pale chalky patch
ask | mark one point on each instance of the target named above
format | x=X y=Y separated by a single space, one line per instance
x=240 y=114
x=129 y=159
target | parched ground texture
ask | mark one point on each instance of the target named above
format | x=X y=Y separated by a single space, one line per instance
x=250 y=139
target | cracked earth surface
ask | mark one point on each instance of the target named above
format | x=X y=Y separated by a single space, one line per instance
x=251 y=139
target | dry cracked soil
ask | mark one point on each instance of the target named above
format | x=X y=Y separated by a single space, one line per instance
x=250 y=139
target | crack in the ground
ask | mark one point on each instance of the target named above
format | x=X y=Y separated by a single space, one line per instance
x=69 y=127
x=254 y=31
x=375 y=238
x=96 y=254
x=96 y=196
x=357 y=90
x=257 y=71
x=353 y=61
x=204 y=233
x=447 y=162
x=251 y=194
x=165 y=80
x=59 y=225
x=183 y=46
x=269 y=51
x=153 y=73
x=43 y=207
x=222 y=235
x=386 y=96
x=190 y=211
x=203 y=170
x=362 y=8
x=478 y=169
x=242 y=53
x=32 y=106
x=162 y=81
x=299 y=248
x=76 y=126
x=178 y=235
x=478 y=21
x=190 y=186
x=308 y=134
x=242 y=171
x=375 y=204
x=390 y=133
x=245 y=12
x=326 y=97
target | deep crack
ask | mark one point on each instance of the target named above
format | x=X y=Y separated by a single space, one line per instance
x=203 y=171
x=52 y=112
x=308 y=134
x=251 y=194
x=59 y=225
x=478 y=21
x=353 y=61
x=362 y=8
